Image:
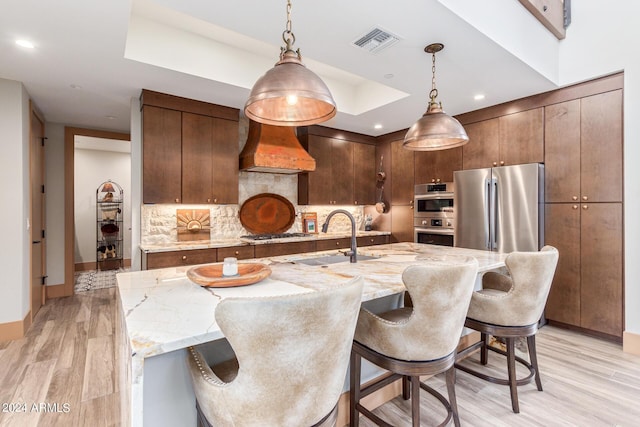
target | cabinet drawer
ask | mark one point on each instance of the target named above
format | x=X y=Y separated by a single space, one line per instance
x=372 y=240
x=277 y=249
x=240 y=252
x=325 y=245
x=179 y=258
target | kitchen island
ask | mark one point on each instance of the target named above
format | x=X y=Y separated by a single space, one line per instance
x=163 y=312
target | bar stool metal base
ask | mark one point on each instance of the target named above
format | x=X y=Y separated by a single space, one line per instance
x=510 y=333
x=410 y=372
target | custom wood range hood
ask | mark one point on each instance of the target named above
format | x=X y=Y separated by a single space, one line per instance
x=274 y=149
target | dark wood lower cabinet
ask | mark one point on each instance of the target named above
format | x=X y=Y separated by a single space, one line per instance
x=205 y=256
x=179 y=258
x=587 y=290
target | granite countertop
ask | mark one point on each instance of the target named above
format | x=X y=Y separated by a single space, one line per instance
x=164 y=311
x=243 y=241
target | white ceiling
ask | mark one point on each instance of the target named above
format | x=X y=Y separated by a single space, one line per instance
x=91 y=58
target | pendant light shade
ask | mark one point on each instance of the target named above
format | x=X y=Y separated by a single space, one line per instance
x=435 y=130
x=290 y=94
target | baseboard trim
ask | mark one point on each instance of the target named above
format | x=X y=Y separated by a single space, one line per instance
x=631 y=343
x=15 y=330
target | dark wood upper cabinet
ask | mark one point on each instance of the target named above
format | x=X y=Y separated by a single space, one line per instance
x=197 y=154
x=345 y=168
x=601 y=147
x=364 y=169
x=583 y=149
x=483 y=149
x=511 y=139
x=562 y=152
x=522 y=137
x=161 y=155
x=190 y=151
x=437 y=166
x=402 y=164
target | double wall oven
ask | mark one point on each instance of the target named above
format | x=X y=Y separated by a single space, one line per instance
x=433 y=219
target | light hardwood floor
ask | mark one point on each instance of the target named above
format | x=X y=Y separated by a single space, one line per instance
x=68 y=357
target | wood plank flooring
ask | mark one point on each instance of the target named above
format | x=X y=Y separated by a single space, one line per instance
x=68 y=361
x=63 y=372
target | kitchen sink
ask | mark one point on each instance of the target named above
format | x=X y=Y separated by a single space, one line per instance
x=331 y=259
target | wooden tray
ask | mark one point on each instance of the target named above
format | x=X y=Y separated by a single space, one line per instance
x=210 y=275
x=267 y=213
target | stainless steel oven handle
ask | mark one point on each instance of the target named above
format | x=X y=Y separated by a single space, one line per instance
x=443 y=231
x=433 y=196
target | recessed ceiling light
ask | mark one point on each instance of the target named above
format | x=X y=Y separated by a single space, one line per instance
x=111 y=117
x=75 y=86
x=478 y=97
x=25 y=43
x=388 y=76
x=377 y=126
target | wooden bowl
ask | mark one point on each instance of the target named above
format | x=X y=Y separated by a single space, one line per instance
x=210 y=275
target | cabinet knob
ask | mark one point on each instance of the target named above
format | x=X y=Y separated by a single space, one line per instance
x=575 y=207
x=433 y=180
x=585 y=198
x=502 y=163
x=177 y=200
x=184 y=257
x=237 y=252
x=574 y=198
x=356 y=202
x=495 y=163
x=337 y=243
x=410 y=202
x=438 y=180
x=215 y=200
x=372 y=240
x=208 y=200
x=585 y=207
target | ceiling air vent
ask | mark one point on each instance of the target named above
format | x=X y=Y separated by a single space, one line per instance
x=376 y=40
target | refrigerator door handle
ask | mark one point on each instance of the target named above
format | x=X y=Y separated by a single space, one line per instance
x=494 y=209
x=489 y=220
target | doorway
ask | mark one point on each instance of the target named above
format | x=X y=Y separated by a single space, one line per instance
x=69 y=211
x=37 y=211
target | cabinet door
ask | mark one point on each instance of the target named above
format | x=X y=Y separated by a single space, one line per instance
x=562 y=152
x=437 y=166
x=319 y=187
x=482 y=150
x=601 y=154
x=276 y=249
x=402 y=164
x=161 y=155
x=401 y=224
x=328 y=244
x=240 y=252
x=197 y=153
x=342 y=172
x=364 y=174
x=562 y=230
x=601 y=268
x=225 y=161
x=179 y=258
x=522 y=137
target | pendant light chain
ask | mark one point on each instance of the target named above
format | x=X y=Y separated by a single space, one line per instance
x=287 y=35
x=434 y=92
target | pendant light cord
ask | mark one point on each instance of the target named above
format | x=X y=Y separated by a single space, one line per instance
x=287 y=35
x=434 y=92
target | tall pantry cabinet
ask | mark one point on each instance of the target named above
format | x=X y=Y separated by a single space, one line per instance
x=583 y=213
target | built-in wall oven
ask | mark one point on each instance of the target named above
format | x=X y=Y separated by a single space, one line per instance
x=433 y=220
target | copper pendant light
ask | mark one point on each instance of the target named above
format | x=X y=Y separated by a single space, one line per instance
x=290 y=94
x=435 y=130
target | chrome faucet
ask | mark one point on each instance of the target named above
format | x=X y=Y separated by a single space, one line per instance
x=353 y=252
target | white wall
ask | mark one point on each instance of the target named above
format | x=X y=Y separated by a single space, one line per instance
x=14 y=175
x=92 y=168
x=605 y=38
x=54 y=202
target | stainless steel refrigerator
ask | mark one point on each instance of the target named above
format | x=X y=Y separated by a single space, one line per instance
x=500 y=209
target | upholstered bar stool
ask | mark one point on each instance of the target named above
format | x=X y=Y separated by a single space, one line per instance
x=418 y=340
x=292 y=354
x=510 y=307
